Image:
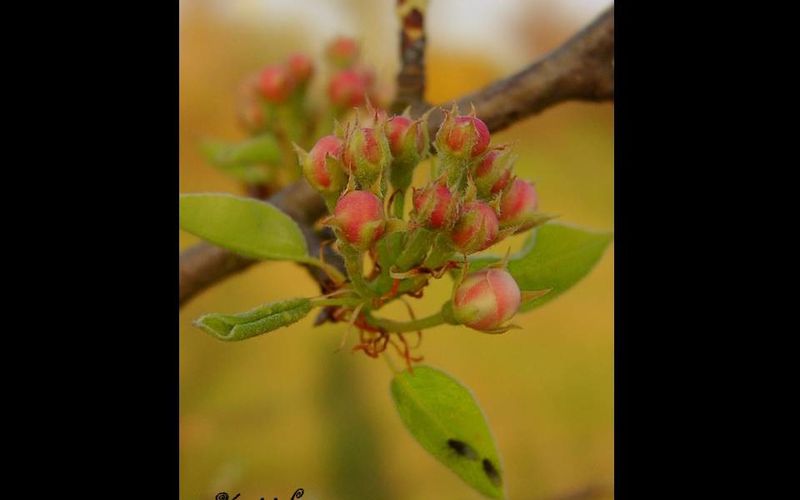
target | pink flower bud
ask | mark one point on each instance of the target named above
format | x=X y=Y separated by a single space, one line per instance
x=348 y=89
x=435 y=207
x=476 y=229
x=322 y=166
x=493 y=172
x=486 y=299
x=342 y=52
x=276 y=84
x=408 y=140
x=463 y=136
x=519 y=205
x=300 y=68
x=359 y=216
x=366 y=154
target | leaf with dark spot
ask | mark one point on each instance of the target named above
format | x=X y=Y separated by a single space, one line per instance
x=444 y=417
x=462 y=449
x=491 y=472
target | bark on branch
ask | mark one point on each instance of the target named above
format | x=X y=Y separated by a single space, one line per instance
x=581 y=69
x=411 y=78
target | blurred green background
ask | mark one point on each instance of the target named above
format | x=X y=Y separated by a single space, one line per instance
x=282 y=411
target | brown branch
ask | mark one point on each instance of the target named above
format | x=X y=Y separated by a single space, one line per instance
x=411 y=78
x=581 y=69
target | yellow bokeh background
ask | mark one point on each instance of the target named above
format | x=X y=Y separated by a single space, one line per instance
x=285 y=410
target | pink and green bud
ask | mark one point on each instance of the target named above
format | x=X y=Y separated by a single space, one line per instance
x=408 y=141
x=360 y=219
x=342 y=52
x=366 y=155
x=486 y=299
x=322 y=166
x=301 y=68
x=494 y=171
x=348 y=89
x=518 y=206
x=476 y=229
x=463 y=136
x=276 y=84
x=435 y=207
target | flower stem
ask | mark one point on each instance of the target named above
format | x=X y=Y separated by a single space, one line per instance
x=406 y=326
x=321 y=302
x=354 y=263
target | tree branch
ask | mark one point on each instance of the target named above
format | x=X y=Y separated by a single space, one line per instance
x=581 y=69
x=411 y=78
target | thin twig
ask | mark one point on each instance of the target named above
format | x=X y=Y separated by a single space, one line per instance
x=411 y=78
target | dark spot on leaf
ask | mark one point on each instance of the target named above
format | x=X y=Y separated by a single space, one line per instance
x=491 y=472
x=462 y=448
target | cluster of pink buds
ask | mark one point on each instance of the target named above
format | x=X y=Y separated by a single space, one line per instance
x=278 y=92
x=472 y=201
x=274 y=88
x=276 y=109
x=351 y=84
x=278 y=82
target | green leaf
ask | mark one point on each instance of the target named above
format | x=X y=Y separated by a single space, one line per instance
x=262 y=319
x=246 y=226
x=249 y=174
x=445 y=419
x=554 y=257
x=262 y=149
x=246 y=160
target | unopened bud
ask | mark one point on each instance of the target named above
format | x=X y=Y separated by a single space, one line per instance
x=435 y=207
x=408 y=140
x=493 y=173
x=342 y=52
x=348 y=89
x=276 y=84
x=518 y=206
x=366 y=154
x=462 y=136
x=360 y=218
x=300 y=68
x=486 y=299
x=322 y=166
x=476 y=229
